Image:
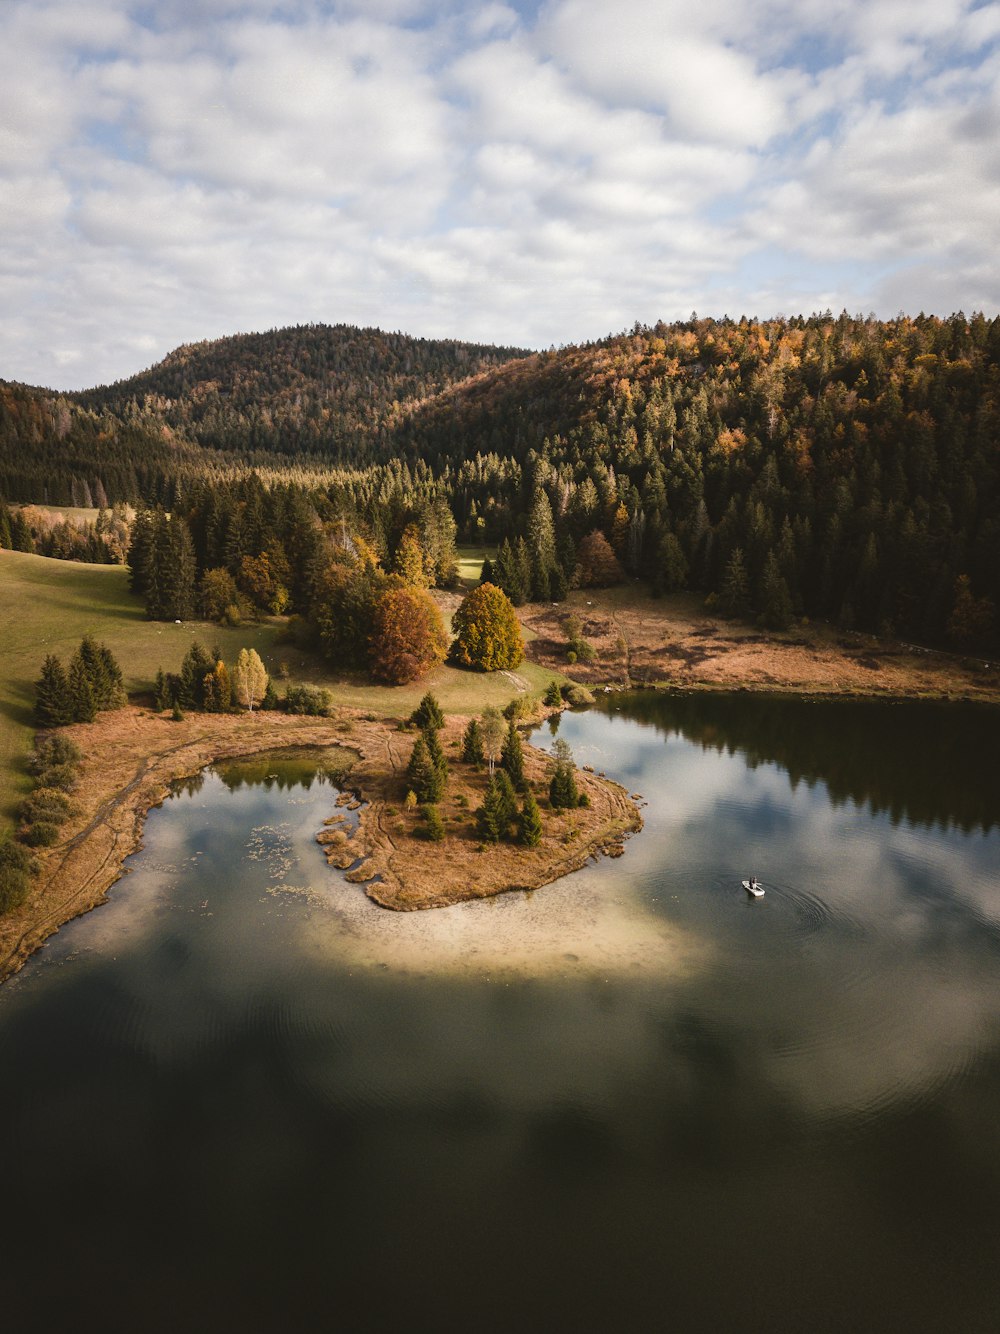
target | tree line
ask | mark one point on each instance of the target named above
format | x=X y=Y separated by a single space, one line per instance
x=834 y=467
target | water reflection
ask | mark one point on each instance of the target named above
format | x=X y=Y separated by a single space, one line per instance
x=635 y=1098
x=927 y=763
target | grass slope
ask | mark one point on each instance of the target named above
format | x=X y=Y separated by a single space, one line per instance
x=47 y=606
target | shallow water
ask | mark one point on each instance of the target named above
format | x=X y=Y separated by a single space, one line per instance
x=239 y=1096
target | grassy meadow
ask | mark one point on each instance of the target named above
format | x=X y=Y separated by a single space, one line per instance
x=47 y=606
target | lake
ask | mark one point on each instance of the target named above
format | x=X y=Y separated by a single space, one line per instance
x=240 y=1097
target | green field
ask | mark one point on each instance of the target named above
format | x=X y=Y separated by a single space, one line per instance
x=47 y=606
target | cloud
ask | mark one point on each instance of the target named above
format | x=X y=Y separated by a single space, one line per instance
x=509 y=172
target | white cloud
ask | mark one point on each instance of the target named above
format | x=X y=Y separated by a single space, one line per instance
x=179 y=171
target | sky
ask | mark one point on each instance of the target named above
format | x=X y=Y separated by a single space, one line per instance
x=528 y=173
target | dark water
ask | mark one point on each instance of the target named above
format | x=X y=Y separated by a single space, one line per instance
x=239 y=1097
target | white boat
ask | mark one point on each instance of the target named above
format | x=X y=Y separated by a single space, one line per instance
x=754 y=887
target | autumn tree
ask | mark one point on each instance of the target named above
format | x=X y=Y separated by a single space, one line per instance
x=407 y=636
x=597 y=566
x=249 y=678
x=493 y=731
x=487 y=633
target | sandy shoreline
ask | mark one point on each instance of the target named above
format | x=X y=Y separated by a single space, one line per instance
x=132 y=757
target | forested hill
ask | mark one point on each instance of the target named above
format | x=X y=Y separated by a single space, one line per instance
x=319 y=390
x=834 y=466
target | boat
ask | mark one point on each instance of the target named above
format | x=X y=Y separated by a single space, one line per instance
x=754 y=887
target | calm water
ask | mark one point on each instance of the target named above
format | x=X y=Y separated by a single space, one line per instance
x=239 y=1097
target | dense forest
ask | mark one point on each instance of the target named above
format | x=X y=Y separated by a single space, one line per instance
x=834 y=467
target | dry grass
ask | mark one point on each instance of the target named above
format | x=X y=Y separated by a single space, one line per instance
x=640 y=640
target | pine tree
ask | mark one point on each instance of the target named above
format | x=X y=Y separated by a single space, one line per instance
x=499 y=808
x=428 y=713
x=734 y=595
x=489 y=816
x=197 y=664
x=81 y=695
x=553 y=695
x=472 y=744
x=435 y=829
x=529 y=823
x=776 y=601
x=563 y=792
x=512 y=757
x=423 y=777
x=161 y=691
x=53 y=701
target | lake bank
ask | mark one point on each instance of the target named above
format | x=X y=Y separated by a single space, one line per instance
x=132 y=757
x=638 y=641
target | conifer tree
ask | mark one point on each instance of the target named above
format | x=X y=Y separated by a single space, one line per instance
x=434 y=825
x=563 y=792
x=428 y=713
x=529 y=823
x=423 y=777
x=734 y=595
x=161 y=691
x=512 y=757
x=53 y=700
x=472 y=744
x=80 y=692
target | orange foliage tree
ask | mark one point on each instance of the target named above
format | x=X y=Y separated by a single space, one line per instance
x=408 y=636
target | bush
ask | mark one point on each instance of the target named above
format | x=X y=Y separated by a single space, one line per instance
x=51 y=751
x=41 y=835
x=45 y=803
x=308 y=700
x=16 y=869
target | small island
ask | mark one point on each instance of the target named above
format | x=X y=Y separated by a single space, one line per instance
x=132 y=756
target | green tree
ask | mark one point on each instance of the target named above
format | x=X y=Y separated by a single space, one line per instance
x=563 y=792
x=433 y=824
x=734 y=595
x=776 y=601
x=512 y=757
x=428 y=713
x=529 y=823
x=53 y=699
x=472 y=744
x=487 y=633
x=426 y=775
x=80 y=692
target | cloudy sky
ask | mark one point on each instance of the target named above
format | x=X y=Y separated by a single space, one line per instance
x=535 y=172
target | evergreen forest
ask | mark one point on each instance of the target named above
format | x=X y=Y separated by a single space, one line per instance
x=836 y=467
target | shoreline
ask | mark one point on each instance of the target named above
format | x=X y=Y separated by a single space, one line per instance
x=132 y=758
